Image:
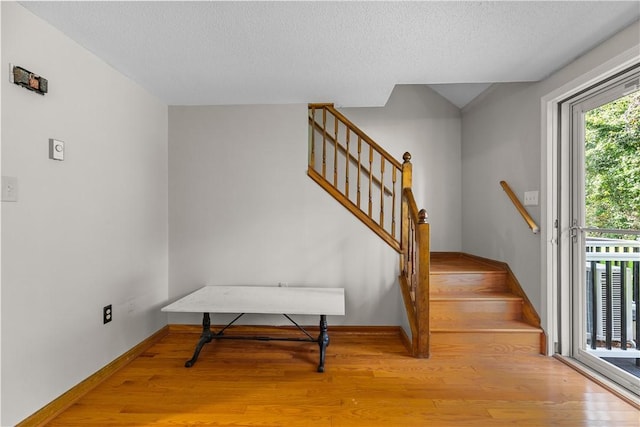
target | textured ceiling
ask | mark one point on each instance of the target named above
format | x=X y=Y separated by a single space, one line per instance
x=349 y=53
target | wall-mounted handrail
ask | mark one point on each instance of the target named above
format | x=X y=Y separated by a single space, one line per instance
x=525 y=215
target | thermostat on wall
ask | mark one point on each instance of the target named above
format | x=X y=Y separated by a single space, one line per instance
x=56 y=149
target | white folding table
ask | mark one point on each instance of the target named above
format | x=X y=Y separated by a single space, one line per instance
x=261 y=300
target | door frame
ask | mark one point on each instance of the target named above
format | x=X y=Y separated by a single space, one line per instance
x=555 y=214
x=576 y=108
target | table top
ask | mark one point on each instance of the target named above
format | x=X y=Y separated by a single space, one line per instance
x=261 y=299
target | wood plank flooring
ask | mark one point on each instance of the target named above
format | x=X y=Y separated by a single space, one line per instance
x=369 y=381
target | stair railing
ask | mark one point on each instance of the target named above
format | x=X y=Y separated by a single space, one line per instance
x=415 y=260
x=376 y=188
x=356 y=171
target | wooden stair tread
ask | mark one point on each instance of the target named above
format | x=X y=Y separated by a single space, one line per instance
x=461 y=269
x=482 y=325
x=444 y=262
x=473 y=296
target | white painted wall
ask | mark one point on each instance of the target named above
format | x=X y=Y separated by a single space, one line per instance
x=501 y=134
x=86 y=232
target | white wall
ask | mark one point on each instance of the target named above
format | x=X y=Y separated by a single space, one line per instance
x=243 y=211
x=418 y=120
x=86 y=232
x=501 y=134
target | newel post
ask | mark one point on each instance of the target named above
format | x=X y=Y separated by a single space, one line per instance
x=422 y=288
x=407 y=177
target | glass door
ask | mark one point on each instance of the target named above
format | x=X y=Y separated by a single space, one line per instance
x=605 y=229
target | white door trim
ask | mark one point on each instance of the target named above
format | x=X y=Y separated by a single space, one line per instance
x=556 y=308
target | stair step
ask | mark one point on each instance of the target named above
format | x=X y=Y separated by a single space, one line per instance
x=472 y=309
x=460 y=306
x=482 y=326
x=456 y=262
x=474 y=296
x=485 y=337
x=493 y=281
x=454 y=272
x=485 y=343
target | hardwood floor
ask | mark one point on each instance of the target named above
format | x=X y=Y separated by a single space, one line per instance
x=369 y=381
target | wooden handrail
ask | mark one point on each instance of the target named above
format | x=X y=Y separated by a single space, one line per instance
x=525 y=215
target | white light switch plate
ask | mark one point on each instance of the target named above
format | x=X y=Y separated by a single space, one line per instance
x=9 y=189
x=531 y=198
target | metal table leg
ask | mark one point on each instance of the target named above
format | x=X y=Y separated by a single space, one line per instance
x=323 y=341
x=205 y=337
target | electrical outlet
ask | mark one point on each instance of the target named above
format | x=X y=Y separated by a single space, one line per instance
x=531 y=198
x=107 y=314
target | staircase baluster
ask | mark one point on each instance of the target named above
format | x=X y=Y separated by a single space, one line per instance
x=346 y=172
x=359 y=167
x=335 y=152
x=370 y=180
x=324 y=143
x=312 y=155
x=382 y=191
x=393 y=202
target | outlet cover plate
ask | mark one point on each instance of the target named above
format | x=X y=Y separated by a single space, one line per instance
x=107 y=314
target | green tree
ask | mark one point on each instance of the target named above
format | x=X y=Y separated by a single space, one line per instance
x=612 y=164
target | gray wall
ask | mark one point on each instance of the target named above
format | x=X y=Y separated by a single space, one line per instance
x=119 y=223
x=418 y=120
x=502 y=140
x=242 y=210
x=86 y=232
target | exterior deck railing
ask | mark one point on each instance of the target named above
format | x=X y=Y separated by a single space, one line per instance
x=612 y=290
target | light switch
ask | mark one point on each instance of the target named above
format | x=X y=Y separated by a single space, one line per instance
x=56 y=149
x=9 y=189
x=531 y=198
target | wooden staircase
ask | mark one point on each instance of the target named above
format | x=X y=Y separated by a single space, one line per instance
x=454 y=302
x=476 y=306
